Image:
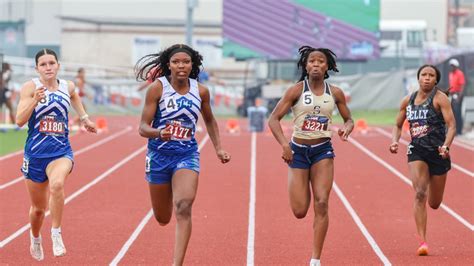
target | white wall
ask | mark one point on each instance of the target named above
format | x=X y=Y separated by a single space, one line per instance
x=434 y=12
x=207 y=10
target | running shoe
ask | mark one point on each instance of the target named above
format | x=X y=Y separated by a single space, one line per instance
x=58 y=245
x=423 y=249
x=36 y=249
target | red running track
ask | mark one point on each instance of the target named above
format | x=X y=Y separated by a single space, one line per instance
x=98 y=222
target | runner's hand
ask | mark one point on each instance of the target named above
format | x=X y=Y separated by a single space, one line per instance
x=345 y=131
x=223 y=156
x=394 y=147
x=165 y=134
x=444 y=151
x=89 y=125
x=39 y=94
x=287 y=155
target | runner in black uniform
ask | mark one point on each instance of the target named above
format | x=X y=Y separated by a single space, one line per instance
x=429 y=114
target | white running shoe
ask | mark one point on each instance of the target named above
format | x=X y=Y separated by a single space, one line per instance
x=36 y=249
x=58 y=245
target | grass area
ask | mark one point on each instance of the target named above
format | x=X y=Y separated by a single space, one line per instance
x=372 y=117
x=379 y=117
x=11 y=141
x=363 y=14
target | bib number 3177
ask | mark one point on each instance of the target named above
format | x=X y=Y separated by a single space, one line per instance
x=179 y=131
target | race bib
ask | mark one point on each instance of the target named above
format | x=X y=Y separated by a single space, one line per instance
x=50 y=125
x=180 y=130
x=419 y=129
x=315 y=123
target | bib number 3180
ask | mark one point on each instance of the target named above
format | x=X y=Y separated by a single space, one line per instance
x=51 y=126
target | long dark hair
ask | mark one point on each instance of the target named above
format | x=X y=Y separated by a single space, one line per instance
x=43 y=52
x=153 y=66
x=304 y=54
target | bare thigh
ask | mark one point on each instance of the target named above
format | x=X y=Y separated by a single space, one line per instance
x=184 y=185
x=38 y=193
x=322 y=176
x=57 y=171
x=437 y=185
x=420 y=178
x=161 y=201
x=298 y=188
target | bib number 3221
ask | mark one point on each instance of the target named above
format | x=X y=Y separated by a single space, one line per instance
x=315 y=123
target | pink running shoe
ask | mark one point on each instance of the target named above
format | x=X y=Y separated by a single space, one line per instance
x=423 y=249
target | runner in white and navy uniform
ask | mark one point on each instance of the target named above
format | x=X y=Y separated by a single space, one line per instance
x=432 y=130
x=173 y=102
x=48 y=159
x=309 y=154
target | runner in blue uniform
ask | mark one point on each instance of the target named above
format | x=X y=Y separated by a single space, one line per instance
x=48 y=158
x=429 y=113
x=172 y=105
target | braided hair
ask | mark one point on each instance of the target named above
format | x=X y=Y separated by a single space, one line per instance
x=153 y=66
x=305 y=51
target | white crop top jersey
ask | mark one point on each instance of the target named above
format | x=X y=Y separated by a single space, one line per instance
x=312 y=114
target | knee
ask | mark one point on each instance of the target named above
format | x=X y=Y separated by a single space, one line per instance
x=420 y=195
x=56 y=188
x=435 y=204
x=162 y=220
x=321 y=208
x=300 y=213
x=37 y=211
x=183 y=208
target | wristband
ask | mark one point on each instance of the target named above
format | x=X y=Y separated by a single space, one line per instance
x=84 y=117
x=445 y=147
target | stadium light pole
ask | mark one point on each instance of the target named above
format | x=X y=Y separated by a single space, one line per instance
x=190 y=5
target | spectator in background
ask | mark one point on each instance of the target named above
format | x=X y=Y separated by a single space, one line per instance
x=456 y=91
x=5 y=93
x=80 y=82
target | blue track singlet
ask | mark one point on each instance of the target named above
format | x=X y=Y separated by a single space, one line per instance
x=181 y=113
x=48 y=124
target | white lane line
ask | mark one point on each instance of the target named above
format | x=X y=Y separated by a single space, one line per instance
x=142 y=224
x=361 y=226
x=77 y=193
x=408 y=182
x=457 y=166
x=91 y=146
x=132 y=238
x=461 y=144
x=4 y=157
x=253 y=198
